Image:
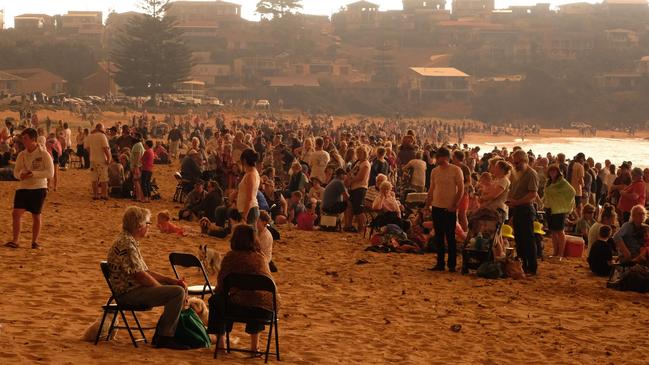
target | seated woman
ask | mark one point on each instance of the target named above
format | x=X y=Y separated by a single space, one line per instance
x=387 y=205
x=244 y=258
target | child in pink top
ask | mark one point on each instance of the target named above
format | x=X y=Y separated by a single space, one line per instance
x=165 y=225
x=306 y=220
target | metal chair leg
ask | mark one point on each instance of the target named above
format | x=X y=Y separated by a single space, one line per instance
x=227 y=341
x=270 y=337
x=216 y=347
x=276 y=340
x=112 y=325
x=101 y=325
x=139 y=327
x=128 y=328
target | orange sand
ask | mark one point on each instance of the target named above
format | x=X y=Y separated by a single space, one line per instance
x=334 y=311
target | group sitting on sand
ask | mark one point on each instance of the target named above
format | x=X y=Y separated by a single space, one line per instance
x=413 y=192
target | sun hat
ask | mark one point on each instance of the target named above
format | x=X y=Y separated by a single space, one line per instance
x=538 y=228
x=507 y=231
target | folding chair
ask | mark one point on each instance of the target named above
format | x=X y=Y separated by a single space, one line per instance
x=251 y=282
x=75 y=160
x=114 y=307
x=189 y=260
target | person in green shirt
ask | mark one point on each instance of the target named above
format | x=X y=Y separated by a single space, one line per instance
x=559 y=200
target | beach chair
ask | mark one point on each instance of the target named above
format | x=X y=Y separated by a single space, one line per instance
x=181 y=188
x=189 y=260
x=251 y=282
x=114 y=307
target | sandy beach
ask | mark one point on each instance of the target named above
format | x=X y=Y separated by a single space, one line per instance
x=334 y=311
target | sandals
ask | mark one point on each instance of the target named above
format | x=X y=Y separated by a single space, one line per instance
x=36 y=246
x=11 y=244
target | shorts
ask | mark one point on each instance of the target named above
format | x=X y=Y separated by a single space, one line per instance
x=357 y=199
x=99 y=172
x=335 y=209
x=31 y=200
x=557 y=222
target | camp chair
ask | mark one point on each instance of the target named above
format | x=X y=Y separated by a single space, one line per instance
x=253 y=283
x=113 y=306
x=189 y=260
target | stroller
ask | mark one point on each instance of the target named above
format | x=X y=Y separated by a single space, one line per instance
x=483 y=233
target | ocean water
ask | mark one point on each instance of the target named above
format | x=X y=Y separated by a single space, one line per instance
x=614 y=149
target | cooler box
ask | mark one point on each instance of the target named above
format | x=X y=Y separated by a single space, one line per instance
x=574 y=247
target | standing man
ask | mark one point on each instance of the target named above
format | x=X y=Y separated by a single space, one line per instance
x=136 y=166
x=97 y=145
x=174 y=138
x=444 y=196
x=318 y=160
x=523 y=191
x=33 y=167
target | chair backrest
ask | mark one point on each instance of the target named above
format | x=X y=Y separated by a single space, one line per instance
x=106 y=271
x=249 y=282
x=184 y=260
x=188 y=260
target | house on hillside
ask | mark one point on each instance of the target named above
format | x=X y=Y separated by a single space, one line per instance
x=438 y=83
x=34 y=22
x=642 y=66
x=356 y=16
x=210 y=73
x=621 y=81
x=102 y=82
x=38 y=79
x=621 y=38
x=626 y=7
x=472 y=8
x=9 y=84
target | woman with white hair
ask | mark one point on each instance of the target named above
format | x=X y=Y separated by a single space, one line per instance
x=630 y=238
x=134 y=284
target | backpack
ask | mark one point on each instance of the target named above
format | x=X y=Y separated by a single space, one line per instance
x=191 y=331
x=490 y=270
x=635 y=279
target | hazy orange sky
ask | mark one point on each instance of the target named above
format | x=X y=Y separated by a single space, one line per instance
x=323 y=7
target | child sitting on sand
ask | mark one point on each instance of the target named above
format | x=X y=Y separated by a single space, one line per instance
x=600 y=257
x=165 y=225
x=306 y=220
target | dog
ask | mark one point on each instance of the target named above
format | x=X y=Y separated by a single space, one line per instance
x=91 y=332
x=210 y=258
x=200 y=308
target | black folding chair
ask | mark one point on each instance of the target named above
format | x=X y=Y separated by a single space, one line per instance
x=189 y=260
x=250 y=282
x=114 y=307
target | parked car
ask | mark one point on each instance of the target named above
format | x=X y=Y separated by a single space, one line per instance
x=262 y=104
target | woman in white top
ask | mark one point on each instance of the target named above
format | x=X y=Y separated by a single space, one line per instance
x=247 y=203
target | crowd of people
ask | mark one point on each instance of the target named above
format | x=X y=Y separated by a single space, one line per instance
x=266 y=173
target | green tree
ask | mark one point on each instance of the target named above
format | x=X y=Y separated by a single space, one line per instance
x=151 y=57
x=278 y=8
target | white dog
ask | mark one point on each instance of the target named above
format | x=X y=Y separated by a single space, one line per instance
x=210 y=258
x=200 y=308
x=91 y=332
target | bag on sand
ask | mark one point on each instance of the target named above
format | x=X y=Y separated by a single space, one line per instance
x=635 y=279
x=191 y=331
x=91 y=332
x=490 y=270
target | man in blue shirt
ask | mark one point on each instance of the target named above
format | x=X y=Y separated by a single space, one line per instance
x=335 y=196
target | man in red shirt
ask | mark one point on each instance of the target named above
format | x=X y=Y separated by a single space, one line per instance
x=147 y=170
x=632 y=195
